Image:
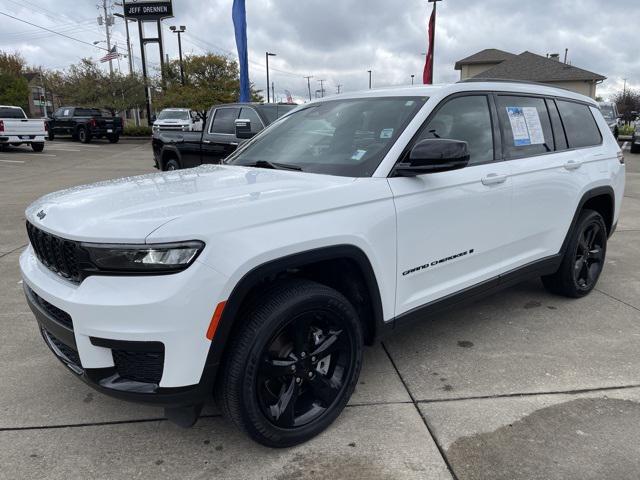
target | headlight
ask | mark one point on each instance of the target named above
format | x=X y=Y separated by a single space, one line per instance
x=158 y=258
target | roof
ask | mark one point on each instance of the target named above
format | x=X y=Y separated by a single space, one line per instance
x=536 y=68
x=489 y=55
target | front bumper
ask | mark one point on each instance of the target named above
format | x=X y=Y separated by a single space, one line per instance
x=136 y=338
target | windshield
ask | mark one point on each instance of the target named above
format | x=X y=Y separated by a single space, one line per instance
x=10 y=112
x=337 y=137
x=607 y=112
x=174 y=115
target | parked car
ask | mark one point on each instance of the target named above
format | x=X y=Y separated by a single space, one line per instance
x=635 y=138
x=612 y=117
x=16 y=128
x=218 y=139
x=177 y=119
x=259 y=280
x=84 y=124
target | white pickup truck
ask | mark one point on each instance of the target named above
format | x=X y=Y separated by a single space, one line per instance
x=16 y=129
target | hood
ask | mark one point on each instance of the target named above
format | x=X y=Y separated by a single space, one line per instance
x=130 y=209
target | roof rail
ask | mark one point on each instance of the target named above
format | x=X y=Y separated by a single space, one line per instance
x=506 y=80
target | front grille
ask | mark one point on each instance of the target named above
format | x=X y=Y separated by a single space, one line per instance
x=59 y=315
x=69 y=353
x=57 y=254
x=139 y=366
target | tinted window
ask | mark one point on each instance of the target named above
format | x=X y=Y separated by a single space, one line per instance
x=11 y=113
x=525 y=126
x=337 y=137
x=581 y=127
x=558 y=131
x=224 y=120
x=59 y=112
x=466 y=119
x=250 y=114
x=87 y=112
x=273 y=112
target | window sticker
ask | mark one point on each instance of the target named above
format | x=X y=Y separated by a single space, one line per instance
x=386 y=133
x=66 y=112
x=358 y=155
x=525 y=125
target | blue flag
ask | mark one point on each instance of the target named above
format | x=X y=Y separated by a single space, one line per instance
x=240 y=25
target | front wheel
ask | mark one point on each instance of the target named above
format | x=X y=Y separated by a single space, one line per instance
x=583 y=260
x=171 y=164
x=293 y=366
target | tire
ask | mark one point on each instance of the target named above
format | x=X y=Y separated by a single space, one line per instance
x=296 y=395
x=51 y=136
x=113 y=138
x=37 y=147
x=83 y=135
x=171 y=164
x=584 y=259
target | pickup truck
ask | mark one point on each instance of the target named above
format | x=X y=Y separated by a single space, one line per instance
x=84 y=124
x=178 y=119
x=16 y=129
x=226 y=127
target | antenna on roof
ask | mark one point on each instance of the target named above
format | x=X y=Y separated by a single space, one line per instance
x=566 y=52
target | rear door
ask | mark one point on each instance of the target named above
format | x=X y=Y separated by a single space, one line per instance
x=453 y=227
x=219 y=141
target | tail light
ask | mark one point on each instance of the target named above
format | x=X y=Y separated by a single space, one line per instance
x=46 y=127
x=1 y=126
x=92 y=123
x=621 y=157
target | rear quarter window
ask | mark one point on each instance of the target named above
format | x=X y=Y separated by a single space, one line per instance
x=11 y=113
x=525 y=125
x=579 y=124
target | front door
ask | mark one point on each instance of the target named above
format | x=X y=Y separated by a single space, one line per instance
x=453 y=227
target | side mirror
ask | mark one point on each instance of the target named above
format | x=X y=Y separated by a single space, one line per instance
x=434 y=155
x=243 y=128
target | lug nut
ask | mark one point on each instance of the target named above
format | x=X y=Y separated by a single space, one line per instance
x=313 y=359
x=293 y=368
x=310 y=374
x=303 y=354
x=298 y=379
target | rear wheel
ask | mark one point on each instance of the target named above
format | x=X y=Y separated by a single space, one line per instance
x=83 y=135
x=584 y=259
x=37 y=147
x=292 y=368
x=51 y=135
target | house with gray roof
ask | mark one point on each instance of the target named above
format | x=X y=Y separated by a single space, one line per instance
x=498 y=64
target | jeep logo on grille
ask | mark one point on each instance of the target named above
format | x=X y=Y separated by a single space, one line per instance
x=41 y=214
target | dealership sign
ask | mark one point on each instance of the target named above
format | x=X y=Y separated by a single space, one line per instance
x=148 y=9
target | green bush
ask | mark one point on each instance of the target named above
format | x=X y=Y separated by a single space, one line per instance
x=137 y=131
x=626 y=130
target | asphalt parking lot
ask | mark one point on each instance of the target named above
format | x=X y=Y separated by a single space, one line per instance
x=520 y=385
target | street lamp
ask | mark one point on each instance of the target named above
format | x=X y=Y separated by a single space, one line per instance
x=266 y=56
x=369 y=79
x=179 y=31
x=412 y=77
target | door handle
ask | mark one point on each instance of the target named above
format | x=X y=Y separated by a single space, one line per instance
x=233 y=144
x=494 y=179
x=206 y=141
x=573 y=164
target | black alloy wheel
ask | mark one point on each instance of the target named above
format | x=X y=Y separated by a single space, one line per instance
x=303 y=369
x=83 y=135
x=171 y=164
x=583 y=260
x=291 y=368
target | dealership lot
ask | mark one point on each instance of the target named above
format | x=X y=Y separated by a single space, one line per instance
x=522 y=384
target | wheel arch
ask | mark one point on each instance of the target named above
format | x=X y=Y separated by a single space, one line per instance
x=311 y=263
x=167 y=152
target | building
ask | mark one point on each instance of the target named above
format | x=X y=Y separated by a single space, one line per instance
x=498 y=64
x=37 y=96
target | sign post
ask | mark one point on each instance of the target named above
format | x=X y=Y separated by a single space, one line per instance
x=148 y=11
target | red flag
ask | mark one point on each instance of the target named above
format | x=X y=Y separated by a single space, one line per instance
x=427 y=75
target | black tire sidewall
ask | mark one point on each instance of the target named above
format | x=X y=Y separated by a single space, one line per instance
x=586 y=218
x=83 y=135
x=37 y=147
x=257 y=425
x=171 y=161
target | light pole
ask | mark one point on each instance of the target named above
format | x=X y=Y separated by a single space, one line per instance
x=309 y=77
x=136 y=113
x=412 y=77
x=369 y=71
x=179 y=31
x=266 y=56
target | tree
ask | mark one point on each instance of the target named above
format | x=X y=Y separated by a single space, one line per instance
x=627 y=102
x=209 y=79
x=14 y=88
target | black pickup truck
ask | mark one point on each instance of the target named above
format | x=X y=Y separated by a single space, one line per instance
x=84 y=124
x=226 y=127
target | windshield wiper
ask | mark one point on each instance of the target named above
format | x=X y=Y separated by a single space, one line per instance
x=273 y=165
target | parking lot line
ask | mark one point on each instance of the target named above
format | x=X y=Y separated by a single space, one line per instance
x=36 y=154
x=12 y=161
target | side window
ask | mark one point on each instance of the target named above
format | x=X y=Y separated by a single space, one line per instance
x=59 y=112
x=525 y=126
x=467 y=119
x=224 y=119
x=558 y=130
x=251 y=114
x=581 y=127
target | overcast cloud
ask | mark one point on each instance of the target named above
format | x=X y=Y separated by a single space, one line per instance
x=339 y=41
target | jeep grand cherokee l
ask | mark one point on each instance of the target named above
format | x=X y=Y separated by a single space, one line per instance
x=260 y=280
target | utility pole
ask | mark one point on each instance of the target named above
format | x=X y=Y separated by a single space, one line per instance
x=338 y=88
x=369 y=79
x=322 y=87
x=106 y=26
x=273 y=92
x=266 y=56
x=309 y=77
x=179 y=31
x=136 y=113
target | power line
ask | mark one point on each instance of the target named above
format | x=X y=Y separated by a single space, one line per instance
x=52 y=31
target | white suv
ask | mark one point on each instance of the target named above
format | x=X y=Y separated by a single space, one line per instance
x=259 y=280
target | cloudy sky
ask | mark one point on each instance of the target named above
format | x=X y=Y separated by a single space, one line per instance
x=338 y=41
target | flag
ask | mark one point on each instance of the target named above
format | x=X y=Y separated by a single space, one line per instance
x=427 y=75
x=289 y=97
x=239 y=16
x=112 y=55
